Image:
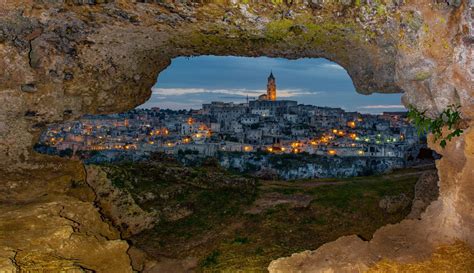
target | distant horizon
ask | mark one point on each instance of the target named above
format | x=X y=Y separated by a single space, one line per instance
x=190 y=82
x=323 y=106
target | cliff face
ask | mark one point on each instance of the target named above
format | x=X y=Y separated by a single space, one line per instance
x=301 y=166
x=63 y=59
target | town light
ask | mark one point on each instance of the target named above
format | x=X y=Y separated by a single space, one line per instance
x=248 y=148
x=351 y=124
x=295 y=144
x=334 y=131
x=332 y=152
x=360 y=152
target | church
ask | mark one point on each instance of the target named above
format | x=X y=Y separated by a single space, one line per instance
x=271 y=89
x=268 y=102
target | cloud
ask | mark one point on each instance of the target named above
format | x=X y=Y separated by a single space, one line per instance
x=332 y=66
x=390 y=106
x=170 y=92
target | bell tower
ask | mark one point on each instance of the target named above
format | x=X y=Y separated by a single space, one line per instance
x=271 y=88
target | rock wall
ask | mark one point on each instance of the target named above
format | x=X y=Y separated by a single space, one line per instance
x=62 y=59
x=301 y=166
x=118 y=205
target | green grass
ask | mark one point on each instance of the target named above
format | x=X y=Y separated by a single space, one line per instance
x=337 y=210
x=226 y=239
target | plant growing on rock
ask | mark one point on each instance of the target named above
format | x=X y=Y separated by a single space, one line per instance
x=450 y=118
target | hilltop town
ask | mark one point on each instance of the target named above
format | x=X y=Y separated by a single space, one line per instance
x=266 y=124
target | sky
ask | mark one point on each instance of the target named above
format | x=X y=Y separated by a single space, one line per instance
x=189 y=82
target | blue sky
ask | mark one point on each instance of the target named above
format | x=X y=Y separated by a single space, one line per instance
x=189 y=82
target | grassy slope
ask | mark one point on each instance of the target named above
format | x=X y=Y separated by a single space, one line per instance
x=348 y=208
x=225 y=239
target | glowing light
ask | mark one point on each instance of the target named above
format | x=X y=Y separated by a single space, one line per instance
x=332 y=152
x=295 y=144
x=248 y=148
x=353 y=136
x=334 y=131
x=351 y=124
x=270 y=149
x=360 y=152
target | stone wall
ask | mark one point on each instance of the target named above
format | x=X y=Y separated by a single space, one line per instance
x=62 y=59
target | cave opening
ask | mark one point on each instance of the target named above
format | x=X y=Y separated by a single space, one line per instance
x=213 y=174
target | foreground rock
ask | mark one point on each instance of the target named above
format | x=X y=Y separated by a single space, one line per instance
x=426 y=191
x=394 y=203
x=118 y=205
x=57 y=231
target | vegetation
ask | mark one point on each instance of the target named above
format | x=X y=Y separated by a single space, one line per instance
x=225 y=237
x=450 y=118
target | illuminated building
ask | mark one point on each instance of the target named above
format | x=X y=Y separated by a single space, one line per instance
x=271 y=88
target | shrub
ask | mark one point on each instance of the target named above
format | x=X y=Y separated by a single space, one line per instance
x=450 y=117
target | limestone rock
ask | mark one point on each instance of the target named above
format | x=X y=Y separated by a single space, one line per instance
x=394 y=203
x=119 y=205
x=426 y=191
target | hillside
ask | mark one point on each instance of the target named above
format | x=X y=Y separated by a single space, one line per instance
x=209 y=220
